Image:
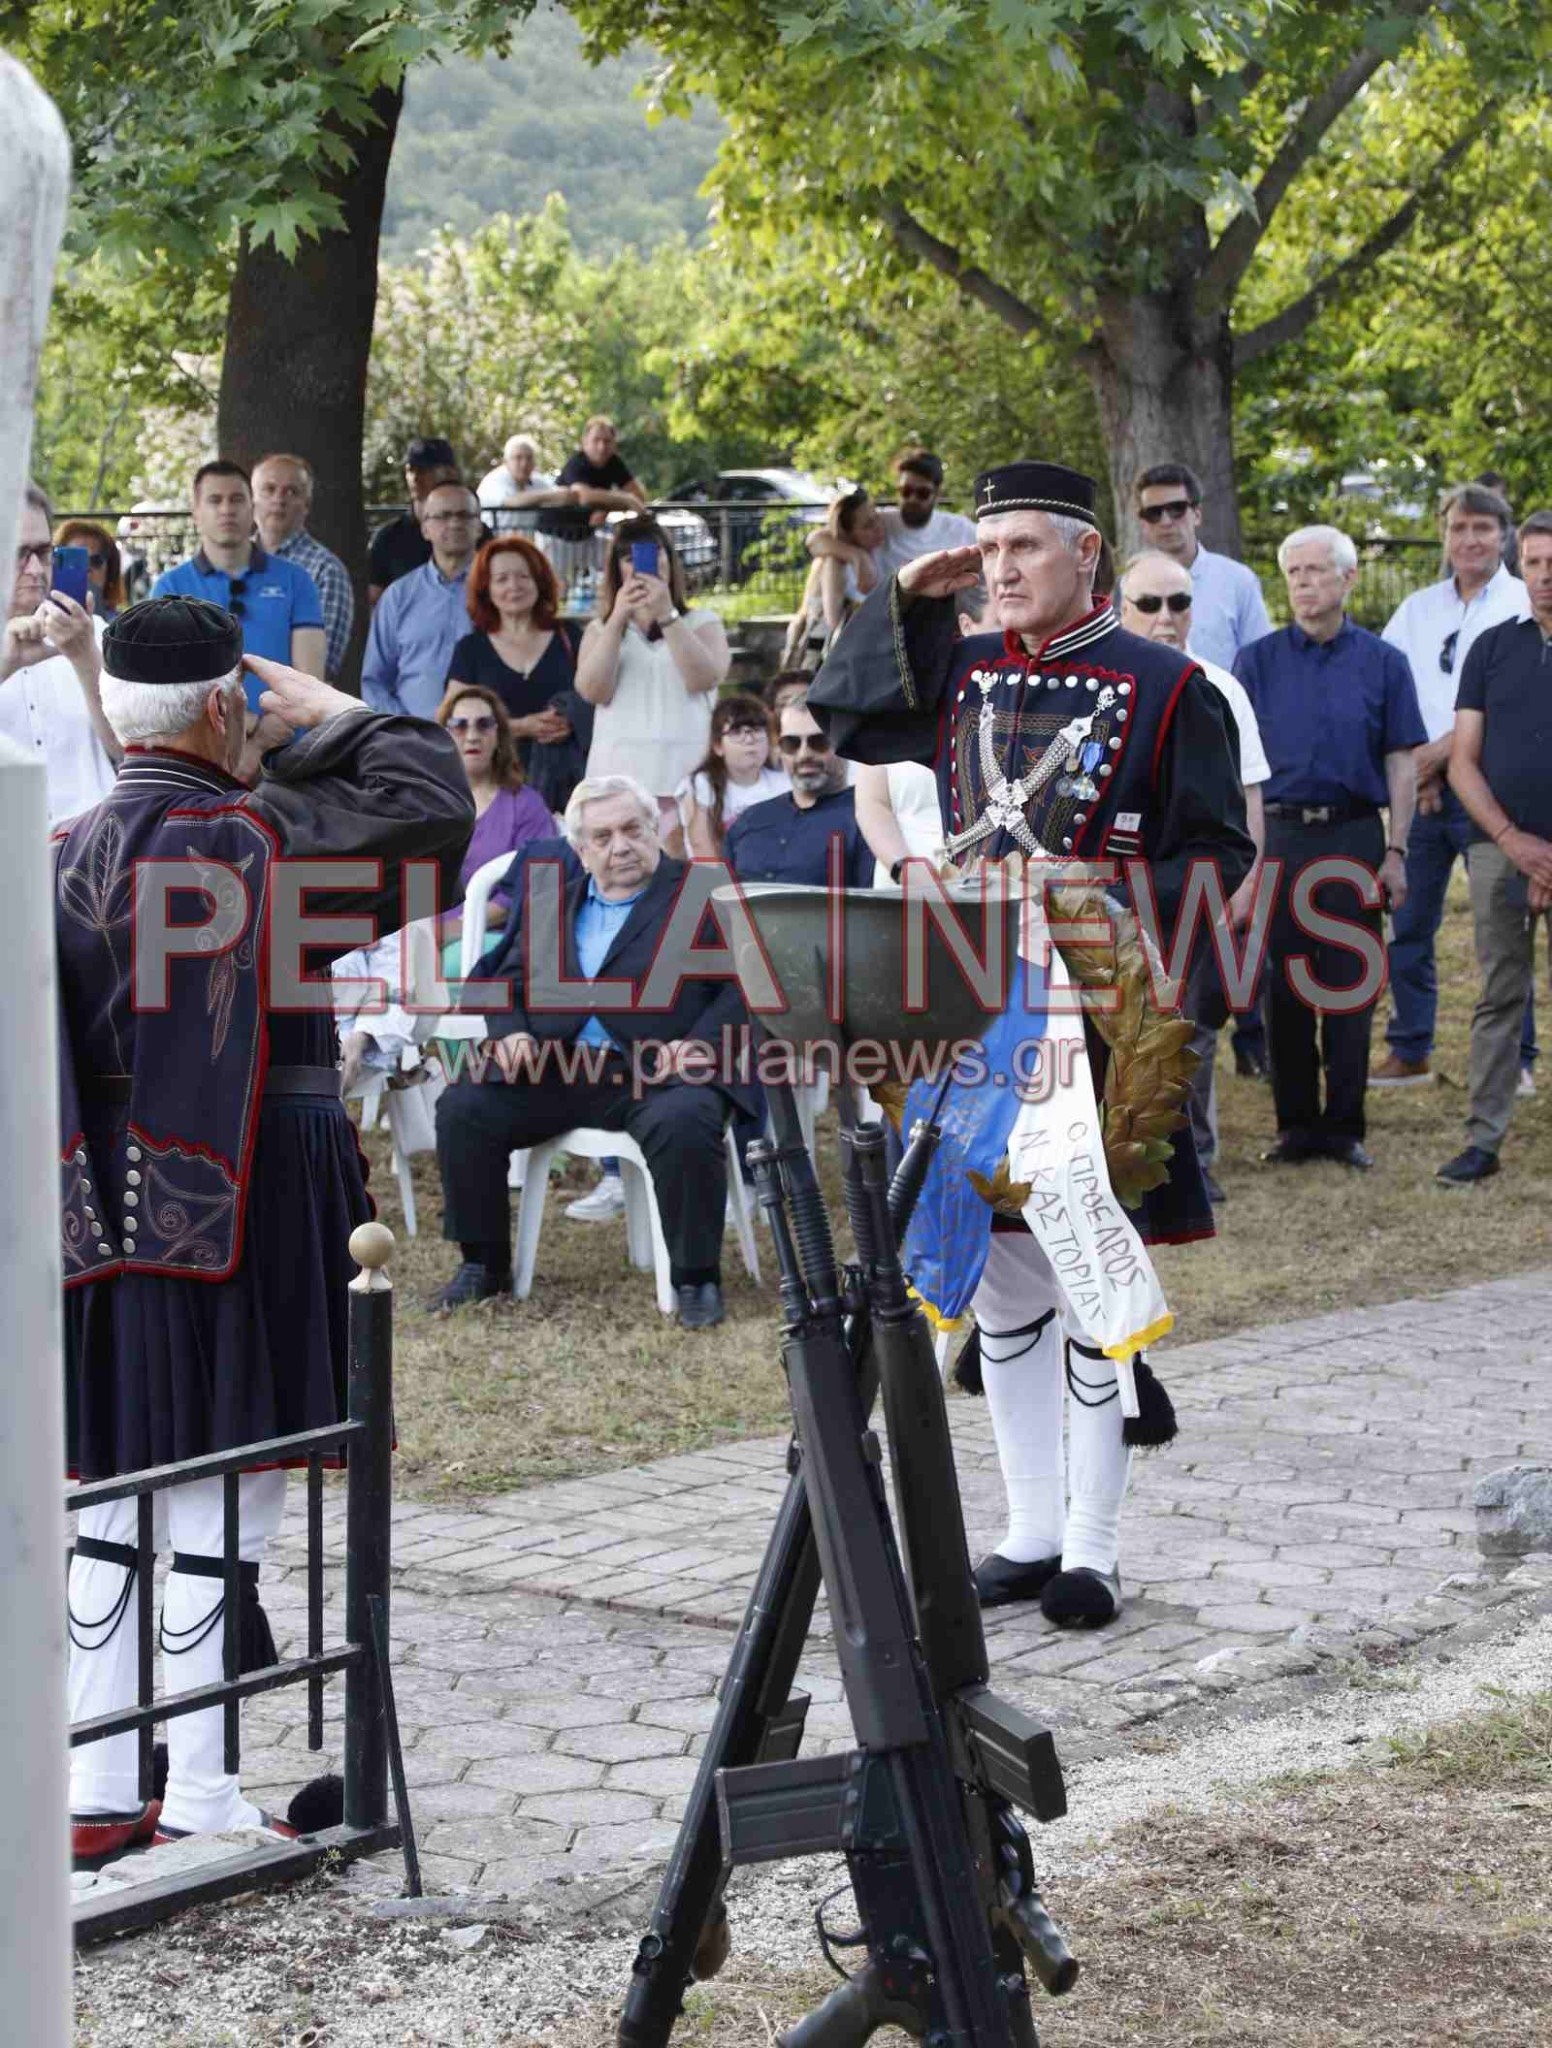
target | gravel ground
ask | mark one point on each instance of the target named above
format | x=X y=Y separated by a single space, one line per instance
x=320 y=1967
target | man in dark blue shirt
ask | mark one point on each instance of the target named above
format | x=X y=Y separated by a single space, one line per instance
x=1501 y=769
x=788 y=838
x=1340 y=723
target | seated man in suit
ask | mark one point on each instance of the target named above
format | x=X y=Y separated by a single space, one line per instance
x=551 y=1070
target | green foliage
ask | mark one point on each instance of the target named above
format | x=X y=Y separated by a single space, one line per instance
x=496 y=135
x=193 y=124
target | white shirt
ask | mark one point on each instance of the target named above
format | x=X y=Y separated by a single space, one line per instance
x=653 y=727
x=737 y=798
x=1254 y=767
x=498 y=487
x=913 y=797
x=1228 y=611
x=43 y=709
x=904 y=543
x=1422 y=623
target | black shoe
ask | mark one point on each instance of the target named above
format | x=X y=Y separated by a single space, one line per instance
x=1250 y=1066
x=700 y=1305
x=1082 y=1598
x=999 y=1581
x=1289 y=1151
x=1215 y=1193
x=471 y=1282
x=1349 y=1152
x=1468 y=1167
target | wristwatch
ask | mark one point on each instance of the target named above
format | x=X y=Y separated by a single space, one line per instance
x=1392 y=847
x=894 y=869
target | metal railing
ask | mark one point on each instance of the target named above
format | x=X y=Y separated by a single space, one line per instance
x=371 y=1741
x=750 y=559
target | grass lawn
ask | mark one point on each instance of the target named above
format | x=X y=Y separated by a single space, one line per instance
x=587 y=1374
x=1394 y=1905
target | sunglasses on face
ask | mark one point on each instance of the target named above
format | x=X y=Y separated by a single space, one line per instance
x=1172 y=508
x=1177 y=600
x=97 y=561
x=484 y=723
x=922 y=491
x=793 y=743
x=41 y=555
x=1447 y=652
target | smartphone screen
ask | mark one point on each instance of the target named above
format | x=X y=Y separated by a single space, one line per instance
x=644 y=557
x=71 y=572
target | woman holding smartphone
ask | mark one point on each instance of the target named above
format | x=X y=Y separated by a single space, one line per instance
x=651 y=666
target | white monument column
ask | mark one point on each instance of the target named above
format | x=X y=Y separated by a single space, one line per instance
x=34 y=1844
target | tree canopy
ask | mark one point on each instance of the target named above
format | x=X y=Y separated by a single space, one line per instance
x=1099 y=174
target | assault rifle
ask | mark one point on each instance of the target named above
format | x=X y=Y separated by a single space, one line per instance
x=923 y=1808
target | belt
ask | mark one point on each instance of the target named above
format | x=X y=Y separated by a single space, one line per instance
x=114 y=1088
x=1322 y=814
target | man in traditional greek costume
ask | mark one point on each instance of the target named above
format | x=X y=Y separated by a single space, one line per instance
x=209 y=1176
x=1061 y=736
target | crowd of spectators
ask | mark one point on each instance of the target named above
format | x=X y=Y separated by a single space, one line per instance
x=616 y=750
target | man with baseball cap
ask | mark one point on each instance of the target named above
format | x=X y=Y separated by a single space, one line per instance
x=399 y=544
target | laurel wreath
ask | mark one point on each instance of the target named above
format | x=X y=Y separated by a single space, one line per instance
x=1148 y=1073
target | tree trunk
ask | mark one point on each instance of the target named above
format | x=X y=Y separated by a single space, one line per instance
x=1165 y=392
x=298 y=337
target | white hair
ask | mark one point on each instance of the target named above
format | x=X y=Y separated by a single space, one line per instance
x=1148 y=555
x=522 y=441
x=593 y=790
x=158 y=711
x=1343 y=554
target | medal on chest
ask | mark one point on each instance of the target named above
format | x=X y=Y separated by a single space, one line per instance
x=1063 y=745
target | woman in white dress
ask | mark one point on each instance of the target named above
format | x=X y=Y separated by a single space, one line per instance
x=651 y=666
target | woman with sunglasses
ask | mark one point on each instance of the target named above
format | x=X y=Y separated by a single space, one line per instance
x=104 y=567
x=736 y=773
x=651 y=666
x=507 y=813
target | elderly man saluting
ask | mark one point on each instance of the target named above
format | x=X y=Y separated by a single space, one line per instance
x=1340 y=724
x=210 y=1178
x=1060 y=735
x=650 y=1072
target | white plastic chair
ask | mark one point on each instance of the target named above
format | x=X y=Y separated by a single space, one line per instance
x=530 y=1170
x=408 y=1111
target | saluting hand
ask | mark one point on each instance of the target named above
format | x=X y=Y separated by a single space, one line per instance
x=300 y=701
x=940 y=575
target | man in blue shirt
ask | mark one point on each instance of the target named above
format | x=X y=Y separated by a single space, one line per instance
x=275 y=602
x=1228 y=611
x=421 y=617
x=788 y=838
x=1340 y=725
x=664 y=1075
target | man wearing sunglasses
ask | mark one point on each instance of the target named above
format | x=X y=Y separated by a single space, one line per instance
x=1155 y=602
x=1228 y=609
x=789 y=838
x=50 y=702
x=916 y=526
x=275 y=602
x=1436 y=628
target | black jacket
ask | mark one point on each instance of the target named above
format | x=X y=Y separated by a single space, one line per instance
x=545 y=875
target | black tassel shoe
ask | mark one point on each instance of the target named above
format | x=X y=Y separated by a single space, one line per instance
x=999 y=1581
x=1082 y=1598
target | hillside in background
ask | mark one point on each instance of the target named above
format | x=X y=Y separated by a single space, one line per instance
x=496 y=136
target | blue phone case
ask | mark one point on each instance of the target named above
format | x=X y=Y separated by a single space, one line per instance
x=644 y=557
x=71 y=573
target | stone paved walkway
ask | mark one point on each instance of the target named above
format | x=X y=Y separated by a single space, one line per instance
x=557 y=1651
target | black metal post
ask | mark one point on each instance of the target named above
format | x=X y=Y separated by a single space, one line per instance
x=368 y=1533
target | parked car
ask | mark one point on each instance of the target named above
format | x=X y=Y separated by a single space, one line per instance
x=759 y=516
